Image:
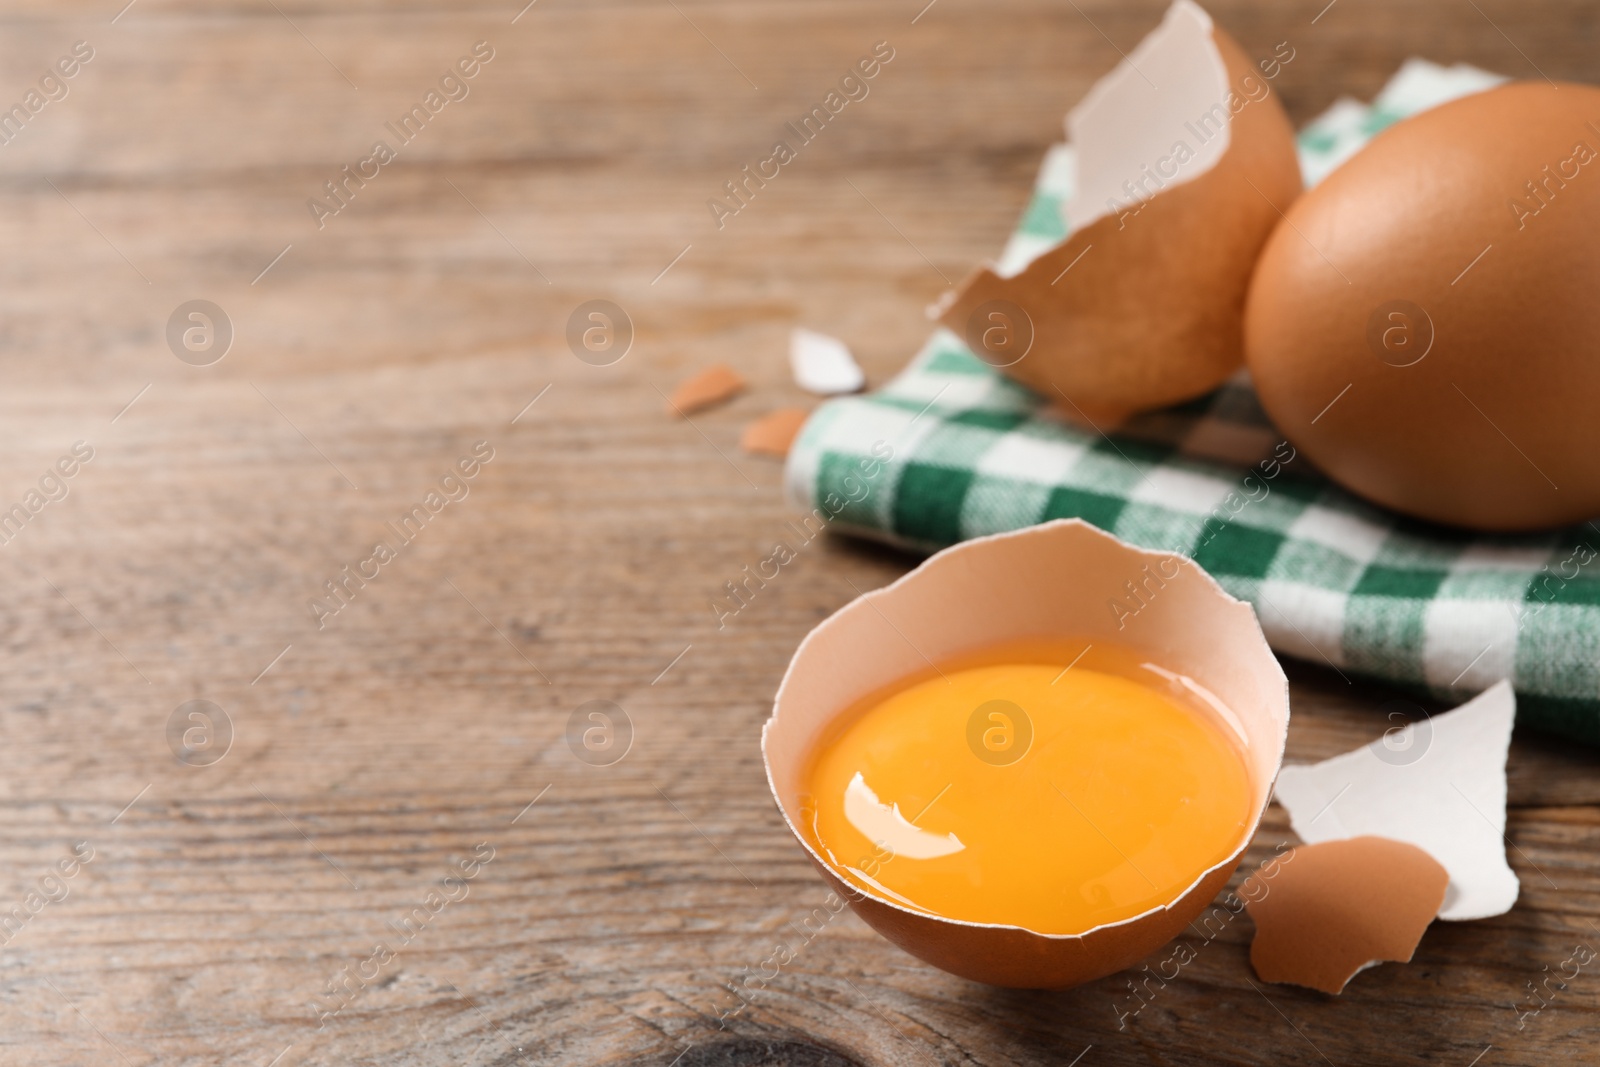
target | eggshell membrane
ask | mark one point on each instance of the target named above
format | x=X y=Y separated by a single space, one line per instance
x=1152 y=313
x=1495 y=427
x=1051 y=580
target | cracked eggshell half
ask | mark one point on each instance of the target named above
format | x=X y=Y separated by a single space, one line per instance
x=1424 y=324
x=1051 y=580
x=1179 y=182
x=1438 y=784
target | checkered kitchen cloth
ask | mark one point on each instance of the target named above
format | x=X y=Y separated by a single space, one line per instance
x=1332 y=578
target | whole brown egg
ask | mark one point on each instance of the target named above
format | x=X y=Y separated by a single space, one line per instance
x=1425 y=324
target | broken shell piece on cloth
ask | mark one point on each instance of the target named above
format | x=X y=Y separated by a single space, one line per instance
x=1185 y=161
x=1324 y=913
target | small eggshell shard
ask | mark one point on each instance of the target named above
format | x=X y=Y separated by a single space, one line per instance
x=1439 y=784
x=713 y=385
x=1185 y=161
x=823 y=364
x=1058 y=578
x=1423 y=323
x=1326 y=912
x=774 y=433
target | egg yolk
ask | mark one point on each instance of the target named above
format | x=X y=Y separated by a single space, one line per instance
x=1044 y=795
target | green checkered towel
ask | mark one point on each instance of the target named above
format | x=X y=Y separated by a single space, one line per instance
x=1333 y=579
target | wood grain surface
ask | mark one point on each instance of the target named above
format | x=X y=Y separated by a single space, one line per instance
x=231 y=908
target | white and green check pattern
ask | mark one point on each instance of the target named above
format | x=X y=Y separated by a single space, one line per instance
x=1332 y=578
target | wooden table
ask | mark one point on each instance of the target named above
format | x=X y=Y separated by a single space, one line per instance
x=231 y=907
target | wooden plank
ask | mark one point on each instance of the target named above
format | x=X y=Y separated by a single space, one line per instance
x=373 y=753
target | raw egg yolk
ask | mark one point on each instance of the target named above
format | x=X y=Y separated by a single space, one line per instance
x=1027 y=795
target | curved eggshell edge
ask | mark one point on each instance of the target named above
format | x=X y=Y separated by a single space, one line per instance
x=1052 y=580
x=1154 y=313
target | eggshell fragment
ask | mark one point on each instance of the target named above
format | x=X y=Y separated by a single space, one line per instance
x=773 y=433
x=1056 y=579
x=1184 y=166
x=1423 y=324
x=823 y=364
x=713 y=385
x=1439 y=784
x=1326 y=912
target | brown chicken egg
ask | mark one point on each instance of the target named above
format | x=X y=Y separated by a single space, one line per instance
x=1424 y=324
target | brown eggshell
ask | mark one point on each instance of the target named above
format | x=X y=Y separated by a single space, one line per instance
x=1052 y=580
x=1428 y=343
x=773 y=433
x=1150 y=312
x=705 y=388
x=1325 y=912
